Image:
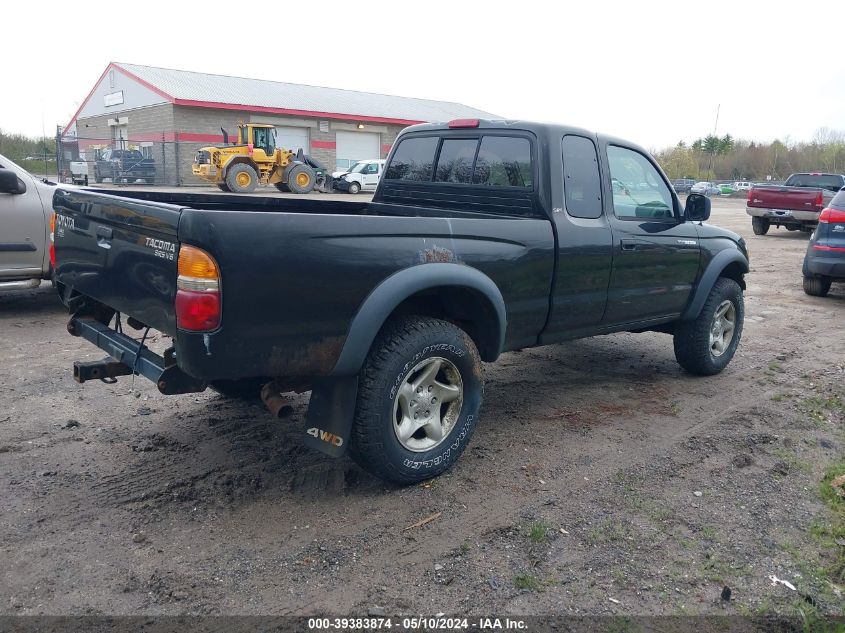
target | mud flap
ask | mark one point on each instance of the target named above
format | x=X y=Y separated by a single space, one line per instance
x=330 y=414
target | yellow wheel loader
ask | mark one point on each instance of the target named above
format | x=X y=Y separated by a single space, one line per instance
x=254 y=160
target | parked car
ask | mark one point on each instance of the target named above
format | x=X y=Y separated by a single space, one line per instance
x=824 y=262
x=726 y=188
x=362 y=176
x=683 y=185
x=124 y=165
x=705 y=189
x=742 y=185
x=482 y=237
x=795 y=205
x=25 y=216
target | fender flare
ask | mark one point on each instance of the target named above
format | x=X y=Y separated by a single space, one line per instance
x=714 y=270
x=385 y=298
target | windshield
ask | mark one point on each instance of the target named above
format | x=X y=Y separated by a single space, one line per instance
x=821 y=181
x=357 y=168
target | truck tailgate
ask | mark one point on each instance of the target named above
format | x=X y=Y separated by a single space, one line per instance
x=120 y=252
x=794 y=199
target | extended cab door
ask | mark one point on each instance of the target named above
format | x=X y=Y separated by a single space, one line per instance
x=23 y=229
x=584 y=240
x=655 y=252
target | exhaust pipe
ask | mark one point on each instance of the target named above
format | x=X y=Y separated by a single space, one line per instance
x=279 y=406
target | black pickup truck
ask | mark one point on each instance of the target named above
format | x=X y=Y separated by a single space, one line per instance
x=482 y=237
x=124 y=165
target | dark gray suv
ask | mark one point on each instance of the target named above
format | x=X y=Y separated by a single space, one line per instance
x=825 y=259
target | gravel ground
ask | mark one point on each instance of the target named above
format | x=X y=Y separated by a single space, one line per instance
x=601 y=480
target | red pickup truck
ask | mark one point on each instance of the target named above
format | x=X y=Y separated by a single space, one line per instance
x=795 y=205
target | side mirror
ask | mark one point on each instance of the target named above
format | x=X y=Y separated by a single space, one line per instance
x=697 y=208
x=10 y=183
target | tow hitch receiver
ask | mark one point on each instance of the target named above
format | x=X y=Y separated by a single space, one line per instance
x=106 y=370
x=128 y=356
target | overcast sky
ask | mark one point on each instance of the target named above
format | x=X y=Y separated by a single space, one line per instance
x=651 y=72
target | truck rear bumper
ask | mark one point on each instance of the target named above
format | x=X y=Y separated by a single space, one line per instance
x=128 y=356
x=783 y=215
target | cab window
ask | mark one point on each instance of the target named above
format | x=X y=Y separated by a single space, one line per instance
x=581 y=183
x=413 y=159
x=639 y=191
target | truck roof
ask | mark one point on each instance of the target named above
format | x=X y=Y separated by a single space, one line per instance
x=540 y=129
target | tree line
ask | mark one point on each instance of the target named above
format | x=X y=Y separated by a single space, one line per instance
x=17 y=147
x=727 y=158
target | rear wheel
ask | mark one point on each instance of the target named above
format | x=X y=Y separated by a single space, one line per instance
x=706 y=345
x=760 y=226
x=301 y=179
x=354 y=187
x=241 y=178
x=817 y=286
x=420 y=391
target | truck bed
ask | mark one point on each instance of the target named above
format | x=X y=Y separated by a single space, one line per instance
x=291 y=282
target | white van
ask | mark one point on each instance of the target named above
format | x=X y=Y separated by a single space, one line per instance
x=362 y=176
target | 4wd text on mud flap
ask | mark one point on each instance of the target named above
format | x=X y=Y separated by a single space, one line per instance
x=331 y=438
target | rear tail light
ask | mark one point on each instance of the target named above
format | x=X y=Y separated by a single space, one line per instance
x=832 y=216
x=819 y=200
x=197 y=291
x=750 y=191
x=53 y=241
x=464 y=123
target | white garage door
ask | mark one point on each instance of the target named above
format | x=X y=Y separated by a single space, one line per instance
x=293 y=138
x=355 y=146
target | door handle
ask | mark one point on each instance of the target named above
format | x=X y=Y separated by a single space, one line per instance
x=630 y=244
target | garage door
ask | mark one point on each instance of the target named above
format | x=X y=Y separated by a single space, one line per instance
x=293 y=138
x=355 y=146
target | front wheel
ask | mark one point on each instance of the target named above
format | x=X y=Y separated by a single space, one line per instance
x=760 y=226
x=354 y=187
x=706 y=345
x=419 y=394
x=817 y=286
x=301 y=179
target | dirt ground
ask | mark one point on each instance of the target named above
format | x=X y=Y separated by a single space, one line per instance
x=601 y=480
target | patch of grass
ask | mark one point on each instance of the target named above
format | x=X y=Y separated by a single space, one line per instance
x=710 y=533
x=792 y=460
x=829 y=531
x=817 y=407
x=538 y=532
x=526 y=581
x=675 y=408
x=775 y=366
x=606 y=532
x=465 y=547
x=778 y=397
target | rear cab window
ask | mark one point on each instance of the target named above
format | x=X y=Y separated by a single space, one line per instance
x=581 y=180
x=831 y=182
x=485 y=160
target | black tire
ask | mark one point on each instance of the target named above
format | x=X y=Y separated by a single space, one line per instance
x=353 y=188
x=243 y=389
x=760 y=226
x=301 y=179
x=282 y=187
x=693 y=348
x=222 y=186
x=817 y=286
x=244 y=173
x=403 y=345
